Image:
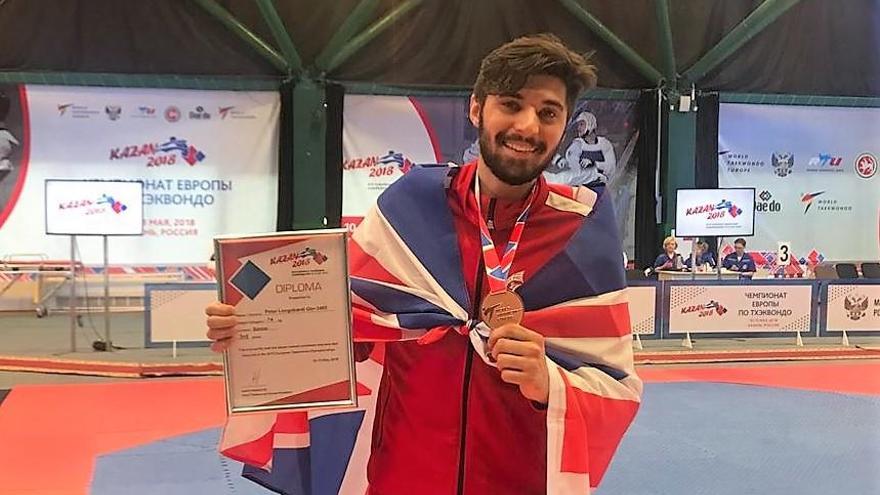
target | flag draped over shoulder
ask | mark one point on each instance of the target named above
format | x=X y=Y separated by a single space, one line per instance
x=407 y=284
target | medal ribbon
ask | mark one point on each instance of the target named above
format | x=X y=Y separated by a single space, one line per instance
x=498 y=270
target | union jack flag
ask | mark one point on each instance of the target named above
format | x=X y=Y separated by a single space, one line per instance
x=407 y=285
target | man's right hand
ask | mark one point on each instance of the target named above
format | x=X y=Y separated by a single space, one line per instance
x=221 y=325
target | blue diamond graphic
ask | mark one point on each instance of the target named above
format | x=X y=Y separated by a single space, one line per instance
x=250 y=280
x=803 y=261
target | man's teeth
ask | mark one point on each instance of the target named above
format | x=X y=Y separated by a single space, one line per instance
x=520 y=147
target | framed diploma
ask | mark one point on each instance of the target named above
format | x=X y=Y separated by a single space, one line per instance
x=291 y=295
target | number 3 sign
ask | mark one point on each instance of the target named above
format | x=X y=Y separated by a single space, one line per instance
x=783 y=254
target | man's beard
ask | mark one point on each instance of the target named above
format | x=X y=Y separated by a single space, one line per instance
x=511 y=171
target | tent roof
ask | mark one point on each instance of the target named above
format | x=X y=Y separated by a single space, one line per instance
x=816 y=47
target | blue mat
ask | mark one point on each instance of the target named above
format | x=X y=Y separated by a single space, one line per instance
x=689 y=439
x=187 y=464
x=719 y=439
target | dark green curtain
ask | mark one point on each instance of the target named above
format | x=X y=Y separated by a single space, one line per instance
x=646 y=229
x=706 y=159
x=285 y=160
x=333 y=147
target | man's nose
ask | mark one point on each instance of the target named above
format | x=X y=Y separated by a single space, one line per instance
x=527 y=122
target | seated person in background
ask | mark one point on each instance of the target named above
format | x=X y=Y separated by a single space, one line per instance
x=739 y=261
x=669 y=260
x=704 y=258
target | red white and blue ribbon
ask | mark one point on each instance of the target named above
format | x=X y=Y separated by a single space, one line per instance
x=498 y=270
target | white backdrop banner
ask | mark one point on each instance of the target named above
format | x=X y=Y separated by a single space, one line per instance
x=739 y=308
x=642 y=308
x=208 y=160
x=815 y=174
x=382 y=137
x=853 y=308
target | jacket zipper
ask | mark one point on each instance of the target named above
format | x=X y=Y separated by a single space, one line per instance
x=469 y=359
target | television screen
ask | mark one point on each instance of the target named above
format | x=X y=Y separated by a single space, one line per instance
x=715 y=212
x=94 y=207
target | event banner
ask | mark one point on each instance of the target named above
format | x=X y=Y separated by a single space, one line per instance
x=714 y=212
x=740 y=308
x=814 y=170
x=201 y=155
x=385 y=136
x=642 y=308
x=853 y=308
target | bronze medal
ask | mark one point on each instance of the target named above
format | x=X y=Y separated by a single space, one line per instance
x=501 y=308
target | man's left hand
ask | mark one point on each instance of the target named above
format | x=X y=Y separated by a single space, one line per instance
x=519 y=355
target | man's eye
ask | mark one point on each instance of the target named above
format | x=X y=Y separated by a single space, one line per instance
x=549 y=114
x=511 y=105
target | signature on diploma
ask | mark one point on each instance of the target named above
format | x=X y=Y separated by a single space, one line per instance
x=255 y=378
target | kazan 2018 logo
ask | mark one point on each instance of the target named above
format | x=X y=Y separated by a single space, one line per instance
x=703 y=310
x=301 y=258
x=158 y=154
x=715 y=210
x=380 y=166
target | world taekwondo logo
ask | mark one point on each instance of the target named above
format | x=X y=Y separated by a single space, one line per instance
x=159 y=154
x=807 y=199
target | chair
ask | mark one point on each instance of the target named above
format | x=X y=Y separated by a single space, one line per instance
x=871 y=270
x=846 y=271
x=825 y=272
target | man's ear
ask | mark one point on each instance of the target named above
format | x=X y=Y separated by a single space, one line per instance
x=474 y=111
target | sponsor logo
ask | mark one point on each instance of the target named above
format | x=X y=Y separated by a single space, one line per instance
x=825 y=162
x=380 y=165
x=93 y=207
x=783 y=163
x=866 y=165
x=767 y=203
x=825 y=204
x=172 y=114
x=301 y=258
x=113 y=112
x=807 y=199
x=713 y=211
x=233 y=112
x=739 y=163
x=199 y=113
x=158 y=154
x=145 y=112
x=75 y=111
x=712 y=308
x=856 y=305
